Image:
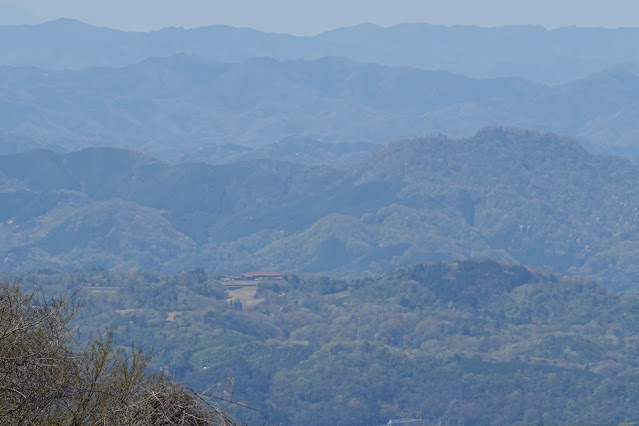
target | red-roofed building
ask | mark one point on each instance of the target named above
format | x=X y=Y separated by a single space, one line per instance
x=258 y=276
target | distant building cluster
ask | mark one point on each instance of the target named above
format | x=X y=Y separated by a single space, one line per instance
x=258 y=276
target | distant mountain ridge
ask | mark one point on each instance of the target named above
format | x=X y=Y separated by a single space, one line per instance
x=551 y=56
x=173 y=106
x=515 y=196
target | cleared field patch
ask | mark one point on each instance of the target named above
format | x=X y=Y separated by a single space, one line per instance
x=246 y=295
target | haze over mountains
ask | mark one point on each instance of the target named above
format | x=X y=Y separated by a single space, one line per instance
x=292 y=136
x=171 y=107
x=549 y=56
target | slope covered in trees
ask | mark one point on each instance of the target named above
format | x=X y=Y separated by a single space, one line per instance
x=511 y=195
x=470 y=342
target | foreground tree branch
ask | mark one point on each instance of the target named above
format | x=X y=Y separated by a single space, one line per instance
x=43 y=380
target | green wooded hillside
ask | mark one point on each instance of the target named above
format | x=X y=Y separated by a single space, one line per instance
x=476 y=342
x=515 y=196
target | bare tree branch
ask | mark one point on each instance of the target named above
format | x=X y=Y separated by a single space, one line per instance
x=44 y=381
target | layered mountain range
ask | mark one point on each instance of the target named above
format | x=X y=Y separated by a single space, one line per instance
x=176 y=107
x=532 y=52
x=515 y=196
x=418 y=259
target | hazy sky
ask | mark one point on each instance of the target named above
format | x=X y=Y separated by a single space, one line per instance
x=313 y=16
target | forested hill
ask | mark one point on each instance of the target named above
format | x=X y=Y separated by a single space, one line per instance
x=463 y=342
x=531 y=52
x=174 y=107
x=516 y=196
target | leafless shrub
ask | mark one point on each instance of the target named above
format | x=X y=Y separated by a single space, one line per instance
x=43 y=380
x=171 y=404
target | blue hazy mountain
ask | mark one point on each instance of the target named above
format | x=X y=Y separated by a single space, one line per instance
x=530 y=52
x=173 y=107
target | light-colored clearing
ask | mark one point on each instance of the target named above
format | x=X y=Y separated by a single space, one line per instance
x=246 y=295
